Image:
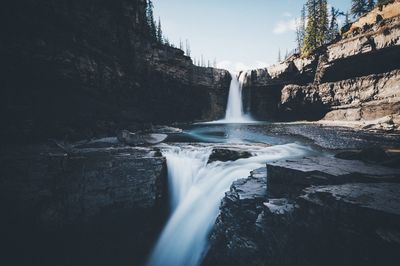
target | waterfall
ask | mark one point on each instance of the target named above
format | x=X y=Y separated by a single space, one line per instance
x=234 y=109
x=196 y=189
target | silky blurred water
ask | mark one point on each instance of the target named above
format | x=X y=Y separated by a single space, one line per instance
x=196 y=189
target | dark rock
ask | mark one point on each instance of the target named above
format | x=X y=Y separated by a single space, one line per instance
x=359 y=221
x=97 y=206
x=91 y=68
x=380 y=197
x=291 y=176
x=224 y=155
x=135 y=139
x=372 y=154
x=232 y=240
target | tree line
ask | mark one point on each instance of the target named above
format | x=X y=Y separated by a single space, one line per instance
x=156 y=35
x=318 y=26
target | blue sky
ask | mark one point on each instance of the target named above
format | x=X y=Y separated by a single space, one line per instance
x=239 y=34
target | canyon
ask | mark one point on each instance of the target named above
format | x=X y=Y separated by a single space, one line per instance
x=78 y=77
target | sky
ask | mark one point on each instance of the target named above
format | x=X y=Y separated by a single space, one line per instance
x=239 y=34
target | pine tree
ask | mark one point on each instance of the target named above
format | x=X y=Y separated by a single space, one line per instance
x=188 y=52
x=370 y=5
x=166 y=41
x=383 y=2
x=333 y=25
x=301 y=28
x=310 y=38
x=322 y=22
x=279 y=56
x=159 y=32
x=346 y=18
x=150 y=20
x=180 y=44
x=358 y=7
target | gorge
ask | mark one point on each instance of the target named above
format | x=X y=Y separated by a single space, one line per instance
x=118 y=150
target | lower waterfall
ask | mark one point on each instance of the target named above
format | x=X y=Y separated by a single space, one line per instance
x=196 y=189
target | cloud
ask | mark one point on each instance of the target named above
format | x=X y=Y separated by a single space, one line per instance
x=236 y=67
x=284 y=26
x=287 y=14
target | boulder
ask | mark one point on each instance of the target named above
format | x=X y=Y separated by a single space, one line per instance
x=224 y=155
x=134 y=139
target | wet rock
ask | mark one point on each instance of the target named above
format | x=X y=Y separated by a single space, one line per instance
x=232 y=240
x=225 y=155
x=165 y=130
x=135 y=139
x=359 y=221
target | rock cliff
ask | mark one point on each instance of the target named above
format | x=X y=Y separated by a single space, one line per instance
x=354 y=78
x=80 y=205
x=310 y=211
x=81 y=68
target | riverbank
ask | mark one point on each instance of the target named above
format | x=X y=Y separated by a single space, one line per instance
x=114 y=198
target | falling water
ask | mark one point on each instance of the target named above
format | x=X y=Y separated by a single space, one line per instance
x=196 y=190
x=234 y=110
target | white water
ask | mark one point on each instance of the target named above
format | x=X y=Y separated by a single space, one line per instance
x=234 y=109
x=196 y=190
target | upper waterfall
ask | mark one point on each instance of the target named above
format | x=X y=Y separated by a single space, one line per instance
x=234 y=110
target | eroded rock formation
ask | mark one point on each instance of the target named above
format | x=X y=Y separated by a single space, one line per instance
x=84 y=68
x=310 y=211
x=83 y=205
x=355 y=78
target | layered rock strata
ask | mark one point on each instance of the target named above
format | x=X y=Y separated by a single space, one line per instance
x=80 y=206
x=354 y=78
x=310 y=211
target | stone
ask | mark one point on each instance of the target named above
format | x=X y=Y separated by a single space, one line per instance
x=224 y=155
x=354 y=78
x=359 y=221
x=372 y=154
x=91 y=88
x=135 y=139
x=291 y=176
x=381 y=197
x=59 y=203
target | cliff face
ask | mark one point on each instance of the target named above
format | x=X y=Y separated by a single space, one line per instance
x=81 y=205
x=79 y=68
x=353 y=79
x=310 y=211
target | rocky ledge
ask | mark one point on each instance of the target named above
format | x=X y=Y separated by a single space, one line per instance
x=355 y=78
x=76 y=69
x=85 y=204
x=311 y=211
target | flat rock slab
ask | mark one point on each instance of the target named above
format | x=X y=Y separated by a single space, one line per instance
x=58 y=188
x=328 y=170
x=251 y=188
x=384 y=197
